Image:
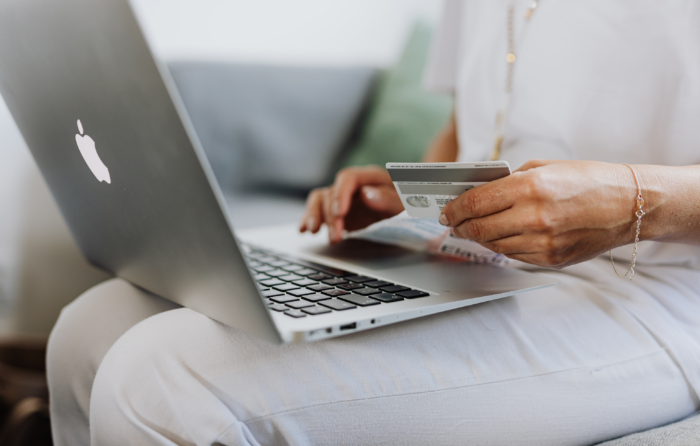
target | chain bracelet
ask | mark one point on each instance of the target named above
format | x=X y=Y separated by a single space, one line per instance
x=639 y=214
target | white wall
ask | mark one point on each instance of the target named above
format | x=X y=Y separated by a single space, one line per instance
x=338 y=32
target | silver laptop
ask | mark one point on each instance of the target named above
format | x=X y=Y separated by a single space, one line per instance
x=111 y=137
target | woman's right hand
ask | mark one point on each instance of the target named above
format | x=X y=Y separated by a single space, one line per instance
x=359 y=197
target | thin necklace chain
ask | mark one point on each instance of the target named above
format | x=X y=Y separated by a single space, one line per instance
x=510 y=61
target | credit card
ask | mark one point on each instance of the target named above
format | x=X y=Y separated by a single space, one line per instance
x=425 y=188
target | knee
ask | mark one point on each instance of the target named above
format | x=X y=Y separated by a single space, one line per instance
x=86 y=330
x=88 y=327
x=72 y=345
x=144 y=387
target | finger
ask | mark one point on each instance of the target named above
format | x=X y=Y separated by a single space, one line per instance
x=311 y=221
x=510 y=246
x=382 y=199
x=533 y=164
x=334 y=223
x=481 y=201
x=537 y=250
x=347 y=183
x=503 y=224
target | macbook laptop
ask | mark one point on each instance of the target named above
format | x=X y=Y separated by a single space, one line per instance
x=111 y=137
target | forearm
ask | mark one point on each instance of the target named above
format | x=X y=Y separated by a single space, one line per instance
x=671 y=202
x=444 y=148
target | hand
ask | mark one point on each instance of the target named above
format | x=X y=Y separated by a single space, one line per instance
x=549 y=213
x=359 y=197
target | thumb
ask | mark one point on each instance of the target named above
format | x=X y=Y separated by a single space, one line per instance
x=382 y=199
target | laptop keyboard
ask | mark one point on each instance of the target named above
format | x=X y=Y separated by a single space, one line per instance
x=299 y=288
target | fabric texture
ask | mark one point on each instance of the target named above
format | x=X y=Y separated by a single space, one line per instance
x=404 y=117
x=96 y=321
x=593 y=80
x=272 y=126
x=563 y=365
x=682 y=433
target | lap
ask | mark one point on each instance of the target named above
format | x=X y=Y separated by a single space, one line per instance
x=563 y=365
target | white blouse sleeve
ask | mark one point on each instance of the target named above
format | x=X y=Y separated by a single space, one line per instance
x=440 y=74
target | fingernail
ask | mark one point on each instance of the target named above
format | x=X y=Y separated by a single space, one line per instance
x=443 y=220
x=310 y=223
x=331 y=233
x=335 y=208
x=370 y=194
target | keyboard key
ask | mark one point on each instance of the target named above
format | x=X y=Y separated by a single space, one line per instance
x=318 y=276
x=290 y=277
x=272 y=282
x=336 y=304
x=306 y=272
x=320 y=287
x=278 y=307
x=362 y=301
x=266 y=259
x=305 y=282
x=324 y=268
x=359 y=279
x=263 y=269
x=315 y=297
x=261 y=276
x=299 y=304
x=393 y=289
x=412 y=294
x=283 y=298
x=350 y=286
x=286 y=287
x=366 y=291
x=316 y=310
x=279 y=263
x=276 y=272
x=292 y=267
x=335 y=292
x=386 y=297
x=334 y=281
x=270 y=293
x=377 y=283
x=254 y=264
x=301 y=292
x=295 y=313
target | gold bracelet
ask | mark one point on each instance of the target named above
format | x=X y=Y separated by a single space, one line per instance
x=639 y=214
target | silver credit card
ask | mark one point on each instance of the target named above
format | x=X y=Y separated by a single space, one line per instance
x=425 y=188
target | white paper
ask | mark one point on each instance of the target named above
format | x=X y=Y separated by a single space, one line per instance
x=426 y=234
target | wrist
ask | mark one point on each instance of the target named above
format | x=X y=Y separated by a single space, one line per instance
x=655 y=199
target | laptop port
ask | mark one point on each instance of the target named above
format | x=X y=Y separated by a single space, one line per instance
x=348 y=326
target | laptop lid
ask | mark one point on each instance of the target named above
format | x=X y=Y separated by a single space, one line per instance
x=115 y=146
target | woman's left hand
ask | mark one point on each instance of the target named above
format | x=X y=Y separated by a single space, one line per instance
x=549 y=213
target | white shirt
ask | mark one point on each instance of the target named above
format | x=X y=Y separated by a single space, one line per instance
x=603 y=80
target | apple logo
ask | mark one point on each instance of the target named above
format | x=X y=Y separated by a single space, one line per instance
x=87 y=149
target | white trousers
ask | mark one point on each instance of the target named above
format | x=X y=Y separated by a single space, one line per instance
x=567 y=365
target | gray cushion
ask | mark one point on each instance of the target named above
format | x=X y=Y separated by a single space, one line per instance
x=683 y=433
x=262 y=208
x=265 y=126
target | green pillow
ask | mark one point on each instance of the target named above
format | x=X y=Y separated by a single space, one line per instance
x=404 y=118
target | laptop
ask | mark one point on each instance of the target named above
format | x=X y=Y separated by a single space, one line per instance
x=113 y=141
